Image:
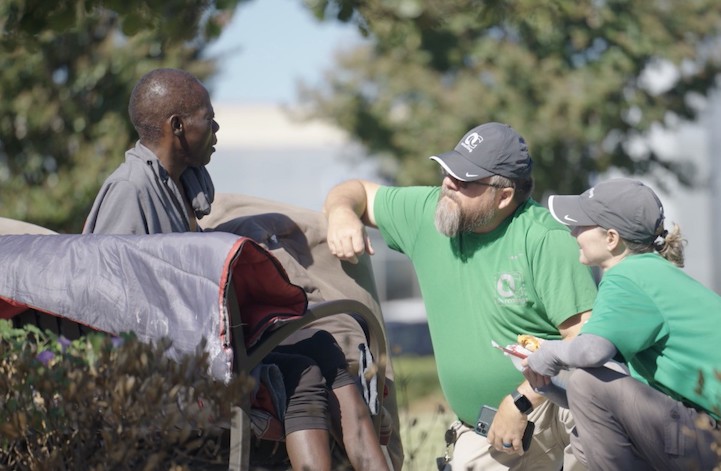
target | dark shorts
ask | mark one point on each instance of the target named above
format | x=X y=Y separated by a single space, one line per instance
x=310 y=368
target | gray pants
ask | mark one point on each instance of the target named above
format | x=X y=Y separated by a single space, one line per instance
x=624 y=424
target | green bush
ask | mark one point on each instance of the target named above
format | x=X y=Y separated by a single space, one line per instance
x=101 y=402
x=423 y=411
x=416 y=379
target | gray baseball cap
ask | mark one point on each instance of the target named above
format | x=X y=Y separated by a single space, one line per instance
x=486 y=150
x=627 y=205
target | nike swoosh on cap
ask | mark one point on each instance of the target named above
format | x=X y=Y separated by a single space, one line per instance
x=470 y=175
x=569 y=218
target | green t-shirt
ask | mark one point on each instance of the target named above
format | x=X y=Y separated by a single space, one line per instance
x=663 y=323
x=522 y=278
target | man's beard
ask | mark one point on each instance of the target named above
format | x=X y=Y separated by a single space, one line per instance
x=451 y=219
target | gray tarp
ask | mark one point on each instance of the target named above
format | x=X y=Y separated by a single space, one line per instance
x=166 y=285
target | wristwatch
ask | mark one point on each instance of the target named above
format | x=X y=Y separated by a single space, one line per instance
x=522 y=402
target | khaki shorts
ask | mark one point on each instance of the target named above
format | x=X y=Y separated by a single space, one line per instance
x=550 y=448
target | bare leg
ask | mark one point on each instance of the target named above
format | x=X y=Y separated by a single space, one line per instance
x=309 y=450
x=358 y=433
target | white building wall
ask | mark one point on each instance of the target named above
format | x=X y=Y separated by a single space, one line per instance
x=688 y=207
x=712 y=126
x=262 y=152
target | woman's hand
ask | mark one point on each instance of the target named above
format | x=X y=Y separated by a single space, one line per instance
x=536 y=380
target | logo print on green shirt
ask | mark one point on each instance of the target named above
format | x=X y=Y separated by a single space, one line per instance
x=511 y=289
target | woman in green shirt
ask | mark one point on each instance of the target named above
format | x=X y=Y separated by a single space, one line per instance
x=649 y=315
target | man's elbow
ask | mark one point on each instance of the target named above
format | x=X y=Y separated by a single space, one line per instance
x=571 y=327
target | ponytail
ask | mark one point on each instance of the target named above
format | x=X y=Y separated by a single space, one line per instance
x=670 y=245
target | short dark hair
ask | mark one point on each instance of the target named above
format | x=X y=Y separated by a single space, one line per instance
x=160 y=94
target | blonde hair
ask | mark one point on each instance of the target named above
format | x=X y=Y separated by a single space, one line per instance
x=670 y=245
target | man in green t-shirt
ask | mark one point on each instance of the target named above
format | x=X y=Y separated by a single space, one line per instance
x=491 y=264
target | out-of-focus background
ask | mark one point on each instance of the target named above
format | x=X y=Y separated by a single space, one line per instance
x=309 y=93
x=273 y=48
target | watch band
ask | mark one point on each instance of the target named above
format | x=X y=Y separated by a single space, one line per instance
x=524 y=405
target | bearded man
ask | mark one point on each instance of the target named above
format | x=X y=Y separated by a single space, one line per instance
x=491 y=264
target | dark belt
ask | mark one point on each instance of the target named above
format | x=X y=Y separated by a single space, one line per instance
x=472 y=427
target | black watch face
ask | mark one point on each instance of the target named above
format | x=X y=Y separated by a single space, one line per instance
x=523 y=404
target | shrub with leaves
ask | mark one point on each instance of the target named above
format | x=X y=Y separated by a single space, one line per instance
x=104 y=402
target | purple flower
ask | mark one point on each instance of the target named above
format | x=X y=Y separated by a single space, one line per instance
x=64 y=343
x=45 y=356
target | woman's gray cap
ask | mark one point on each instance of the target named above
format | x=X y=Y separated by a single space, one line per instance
x=627 y=205
x=487 y=150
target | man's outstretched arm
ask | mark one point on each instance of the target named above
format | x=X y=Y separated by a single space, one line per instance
x=349 y=208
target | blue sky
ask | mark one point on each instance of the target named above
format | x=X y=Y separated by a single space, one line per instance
x=269 y=46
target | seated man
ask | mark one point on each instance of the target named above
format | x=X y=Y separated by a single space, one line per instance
x=162 y=187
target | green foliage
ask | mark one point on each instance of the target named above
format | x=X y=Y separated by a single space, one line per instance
x=572 y=76
x=424 y=413
x=106 y=403
x=416 y=379
x=66 y=72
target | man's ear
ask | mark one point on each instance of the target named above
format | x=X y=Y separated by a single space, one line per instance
x=507 y=195
x=176 y=124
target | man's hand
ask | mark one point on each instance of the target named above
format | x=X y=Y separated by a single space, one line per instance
x=348 y=209
x=507 y=428
x=347 y=236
